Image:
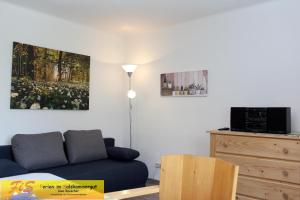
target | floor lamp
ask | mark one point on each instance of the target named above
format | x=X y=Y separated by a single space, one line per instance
x=131 y=95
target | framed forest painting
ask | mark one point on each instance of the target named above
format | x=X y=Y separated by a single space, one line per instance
x=45 y=78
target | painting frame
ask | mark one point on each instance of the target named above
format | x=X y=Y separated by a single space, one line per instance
x=48 y=79
x=184 y=84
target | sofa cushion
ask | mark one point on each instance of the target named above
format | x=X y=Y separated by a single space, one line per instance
x=10 y=168
x=38 y=151
x=122 y=154
x=84 y=146
x=116 y=175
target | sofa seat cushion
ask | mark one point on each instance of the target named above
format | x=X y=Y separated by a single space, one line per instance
x=38 y=151
x=117 y=175
x=33 y=176
x=10 y=168
x=84 y=145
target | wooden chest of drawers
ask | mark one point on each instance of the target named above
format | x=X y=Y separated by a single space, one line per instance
x=269 y=163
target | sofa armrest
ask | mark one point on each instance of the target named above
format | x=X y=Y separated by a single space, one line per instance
x=10 y=168
x=109 y=142
x=122 y=154
x=6 y=152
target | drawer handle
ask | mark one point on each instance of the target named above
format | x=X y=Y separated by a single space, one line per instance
x=285 y=151
x=225 y=145
x=285 y=196
x=285 y=173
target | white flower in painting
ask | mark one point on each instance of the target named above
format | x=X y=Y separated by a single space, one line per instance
x=63 y=106
x=69 y=94
x=14 y=95
x=45 y=108
x=76 y=101
x=39 y=98
x=35 y=106
x=23 y=105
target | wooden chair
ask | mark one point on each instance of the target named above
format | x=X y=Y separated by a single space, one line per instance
x=188 y=177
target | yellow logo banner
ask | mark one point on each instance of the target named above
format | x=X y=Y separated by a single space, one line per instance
x=51 y=190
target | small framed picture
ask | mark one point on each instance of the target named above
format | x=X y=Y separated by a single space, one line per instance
x=192 y=84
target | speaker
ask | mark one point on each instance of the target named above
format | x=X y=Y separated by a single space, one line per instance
x=279 y=120
x=238 y=119
x=256 y=120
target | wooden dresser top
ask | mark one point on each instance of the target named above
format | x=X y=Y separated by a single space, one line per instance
x=292 y=136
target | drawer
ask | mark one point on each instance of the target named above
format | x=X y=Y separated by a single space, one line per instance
x=268 y=190
x=265 y=168
x=260 y=147
x=241 y=197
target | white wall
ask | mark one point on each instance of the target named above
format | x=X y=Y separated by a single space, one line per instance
x=108 y=102
x=253 y=59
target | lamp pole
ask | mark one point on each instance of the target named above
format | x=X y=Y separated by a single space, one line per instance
x=130 y=112
x=129 y=68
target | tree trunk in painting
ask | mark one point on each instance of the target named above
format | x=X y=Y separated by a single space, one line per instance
x=19 y=66
x=59 y=65
x=45 y=65
x=30 y=58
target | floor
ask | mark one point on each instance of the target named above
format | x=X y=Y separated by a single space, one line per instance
x=149 y=182
x=146 y=197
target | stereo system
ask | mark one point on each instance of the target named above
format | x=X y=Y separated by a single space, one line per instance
x=275 y=120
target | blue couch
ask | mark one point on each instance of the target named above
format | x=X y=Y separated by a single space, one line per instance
x=117 y=175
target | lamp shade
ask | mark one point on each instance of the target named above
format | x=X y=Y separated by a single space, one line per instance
x=129 y=68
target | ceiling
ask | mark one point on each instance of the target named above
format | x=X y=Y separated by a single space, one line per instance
x=132 y=15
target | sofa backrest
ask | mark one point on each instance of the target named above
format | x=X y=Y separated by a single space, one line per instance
x=6 y=150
